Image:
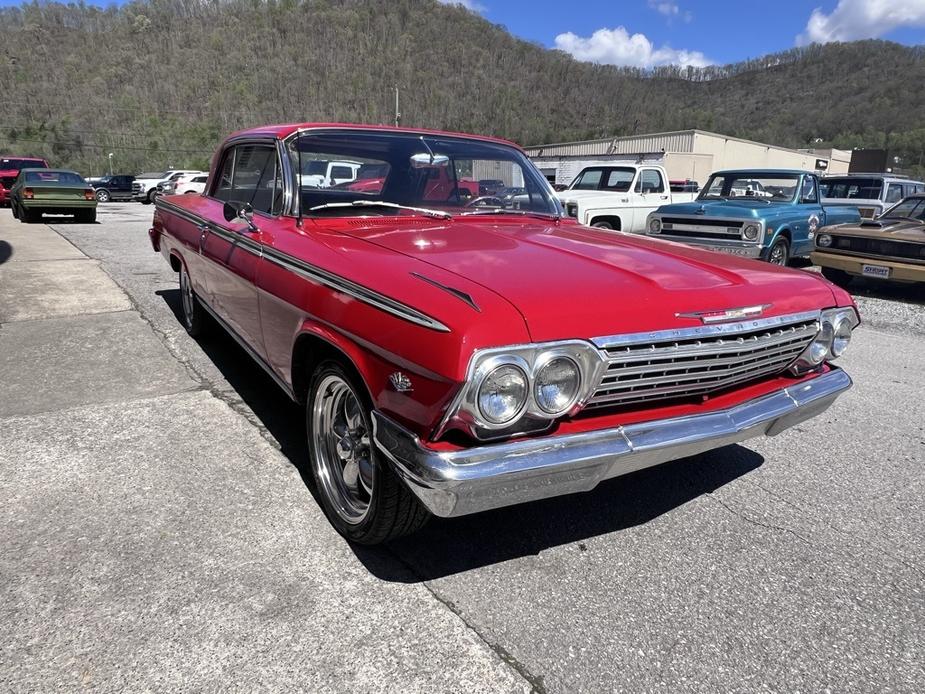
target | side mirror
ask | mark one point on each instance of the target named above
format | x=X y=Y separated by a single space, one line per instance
x=242 y=211
x=425 y=160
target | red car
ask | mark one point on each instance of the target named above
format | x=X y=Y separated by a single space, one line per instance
x=9 y=170
x=456 y=354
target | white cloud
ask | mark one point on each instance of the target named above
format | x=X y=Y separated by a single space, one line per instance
x=861 y=19
x=671 y=10
x=618 y=47
x=471 y=5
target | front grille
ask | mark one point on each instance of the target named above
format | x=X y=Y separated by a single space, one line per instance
x=136 y=187
x=696 y=366
x=703 y=222
x=8 y=181
x=706 y=228
x=882 y=247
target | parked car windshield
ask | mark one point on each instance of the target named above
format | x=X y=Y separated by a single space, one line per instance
x=851 y=188
x=910 y=208
x=776 y=188
x=434 y=172
x=617 y=179
x=66 y=177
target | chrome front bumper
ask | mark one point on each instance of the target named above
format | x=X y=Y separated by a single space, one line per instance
x=491 y=476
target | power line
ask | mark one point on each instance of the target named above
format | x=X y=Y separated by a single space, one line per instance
x=91 y=145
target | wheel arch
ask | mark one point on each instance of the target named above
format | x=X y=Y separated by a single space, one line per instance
x=614 y=220
x=316 y=343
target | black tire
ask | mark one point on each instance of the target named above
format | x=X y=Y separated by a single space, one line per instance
x=29 y=216
x=602 y=225
x=86 y=217
x=195 y=318
x=150 y=197
x=391 y=509
x=103 y=195
x=835 y=276
x=13 y=208
x=779 y=253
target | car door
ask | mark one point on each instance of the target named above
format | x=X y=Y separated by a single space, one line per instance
x=651 y=192
x=809 y=217
x=248 y=173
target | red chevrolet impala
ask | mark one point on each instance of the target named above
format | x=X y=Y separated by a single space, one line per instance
x=458 y=353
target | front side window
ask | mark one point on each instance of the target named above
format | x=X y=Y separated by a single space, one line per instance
x=455 y=175
x=251 y=173
x=650 y=181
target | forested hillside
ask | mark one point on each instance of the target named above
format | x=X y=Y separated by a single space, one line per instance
x=158 y=82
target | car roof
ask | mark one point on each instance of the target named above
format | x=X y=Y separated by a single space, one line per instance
x=285 y=130
x=46 y=170
x=762 y=172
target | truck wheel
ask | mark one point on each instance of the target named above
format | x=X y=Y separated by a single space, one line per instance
x=836 y=276
x=102 y=195
x=603 y=225
x=194 y=315
x=362 y=497
x=780 y=252
x=150 y=197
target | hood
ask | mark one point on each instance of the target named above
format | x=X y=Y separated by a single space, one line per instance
x=570 y=281
x=726 y=208
x=896 y=229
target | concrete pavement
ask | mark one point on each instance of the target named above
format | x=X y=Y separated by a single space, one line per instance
x=160 y=534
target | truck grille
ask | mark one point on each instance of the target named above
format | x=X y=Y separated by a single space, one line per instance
x=882 y=247
x=136 y=187
x=699 y=365
x=701 y=227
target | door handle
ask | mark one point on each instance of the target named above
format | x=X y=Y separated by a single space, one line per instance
x=664 y=197
x=203 y=230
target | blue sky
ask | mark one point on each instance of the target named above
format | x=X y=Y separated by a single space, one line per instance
x=644 y=33
x=647 y=33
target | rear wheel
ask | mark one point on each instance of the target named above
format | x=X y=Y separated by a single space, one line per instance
x=28 y=216
x=362 y=497
x=835 y=276
x=14 y=210
x=86 y=216
x=780 y=252
x=194 y=316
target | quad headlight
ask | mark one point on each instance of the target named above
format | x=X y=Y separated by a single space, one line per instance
x=655 y=225
x=824 y=240
x=503 y=393
x=835 y=327
x=524 y=388
x=751 y=232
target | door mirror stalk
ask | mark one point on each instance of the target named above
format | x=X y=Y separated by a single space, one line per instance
x=242 y=211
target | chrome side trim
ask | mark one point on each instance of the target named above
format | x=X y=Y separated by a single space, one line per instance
x=469 y=480
x=247 y=348
x=611 y=341
x=312 y=273
x=458 y=293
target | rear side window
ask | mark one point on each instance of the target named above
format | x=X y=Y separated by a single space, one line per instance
x=200 y=179
x=894 y=193
x=251 y=173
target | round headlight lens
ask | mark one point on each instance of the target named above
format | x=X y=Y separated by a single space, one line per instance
x=824 y=240
x=655 y=225
x=751 y=231
x=841 y=336
x=503 y=394
x=819 y=348
x=556 y=385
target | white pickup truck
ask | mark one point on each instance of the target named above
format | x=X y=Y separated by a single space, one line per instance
x=619 y=196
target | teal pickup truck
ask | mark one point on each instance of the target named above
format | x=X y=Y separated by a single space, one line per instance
x=771 y=214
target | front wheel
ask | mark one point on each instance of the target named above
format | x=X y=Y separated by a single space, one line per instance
x=836 y=276
x=194 y=318
x=150 y=197
x=361 y=496
x=780 y=252
x=603 y=225
x=103 y=195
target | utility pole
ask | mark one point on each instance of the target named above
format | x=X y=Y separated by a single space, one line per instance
x=110 y=163
x=397 y=112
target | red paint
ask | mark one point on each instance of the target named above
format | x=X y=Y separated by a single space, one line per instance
x=532 y=280
x=13 y=173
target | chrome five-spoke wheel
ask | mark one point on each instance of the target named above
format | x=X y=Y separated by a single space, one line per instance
x=361 y=495
x=342 y=454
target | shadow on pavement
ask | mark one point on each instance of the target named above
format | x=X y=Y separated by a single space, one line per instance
x=449 y=546
x=889 y=291
x=6 y=251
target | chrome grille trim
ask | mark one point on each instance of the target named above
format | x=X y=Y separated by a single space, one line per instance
x=698 y=361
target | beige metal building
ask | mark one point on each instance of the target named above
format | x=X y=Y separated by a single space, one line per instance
x=685 y=154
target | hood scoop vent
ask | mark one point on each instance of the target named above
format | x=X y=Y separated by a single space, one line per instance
x=458 y=293
x=872 y=225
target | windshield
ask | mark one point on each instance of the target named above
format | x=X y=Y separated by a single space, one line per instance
x=17 y=164
x=451 y=174
x=65 y=177
x=852 y=188
x=742 y=184
x=617 y=179
x=910 y=208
